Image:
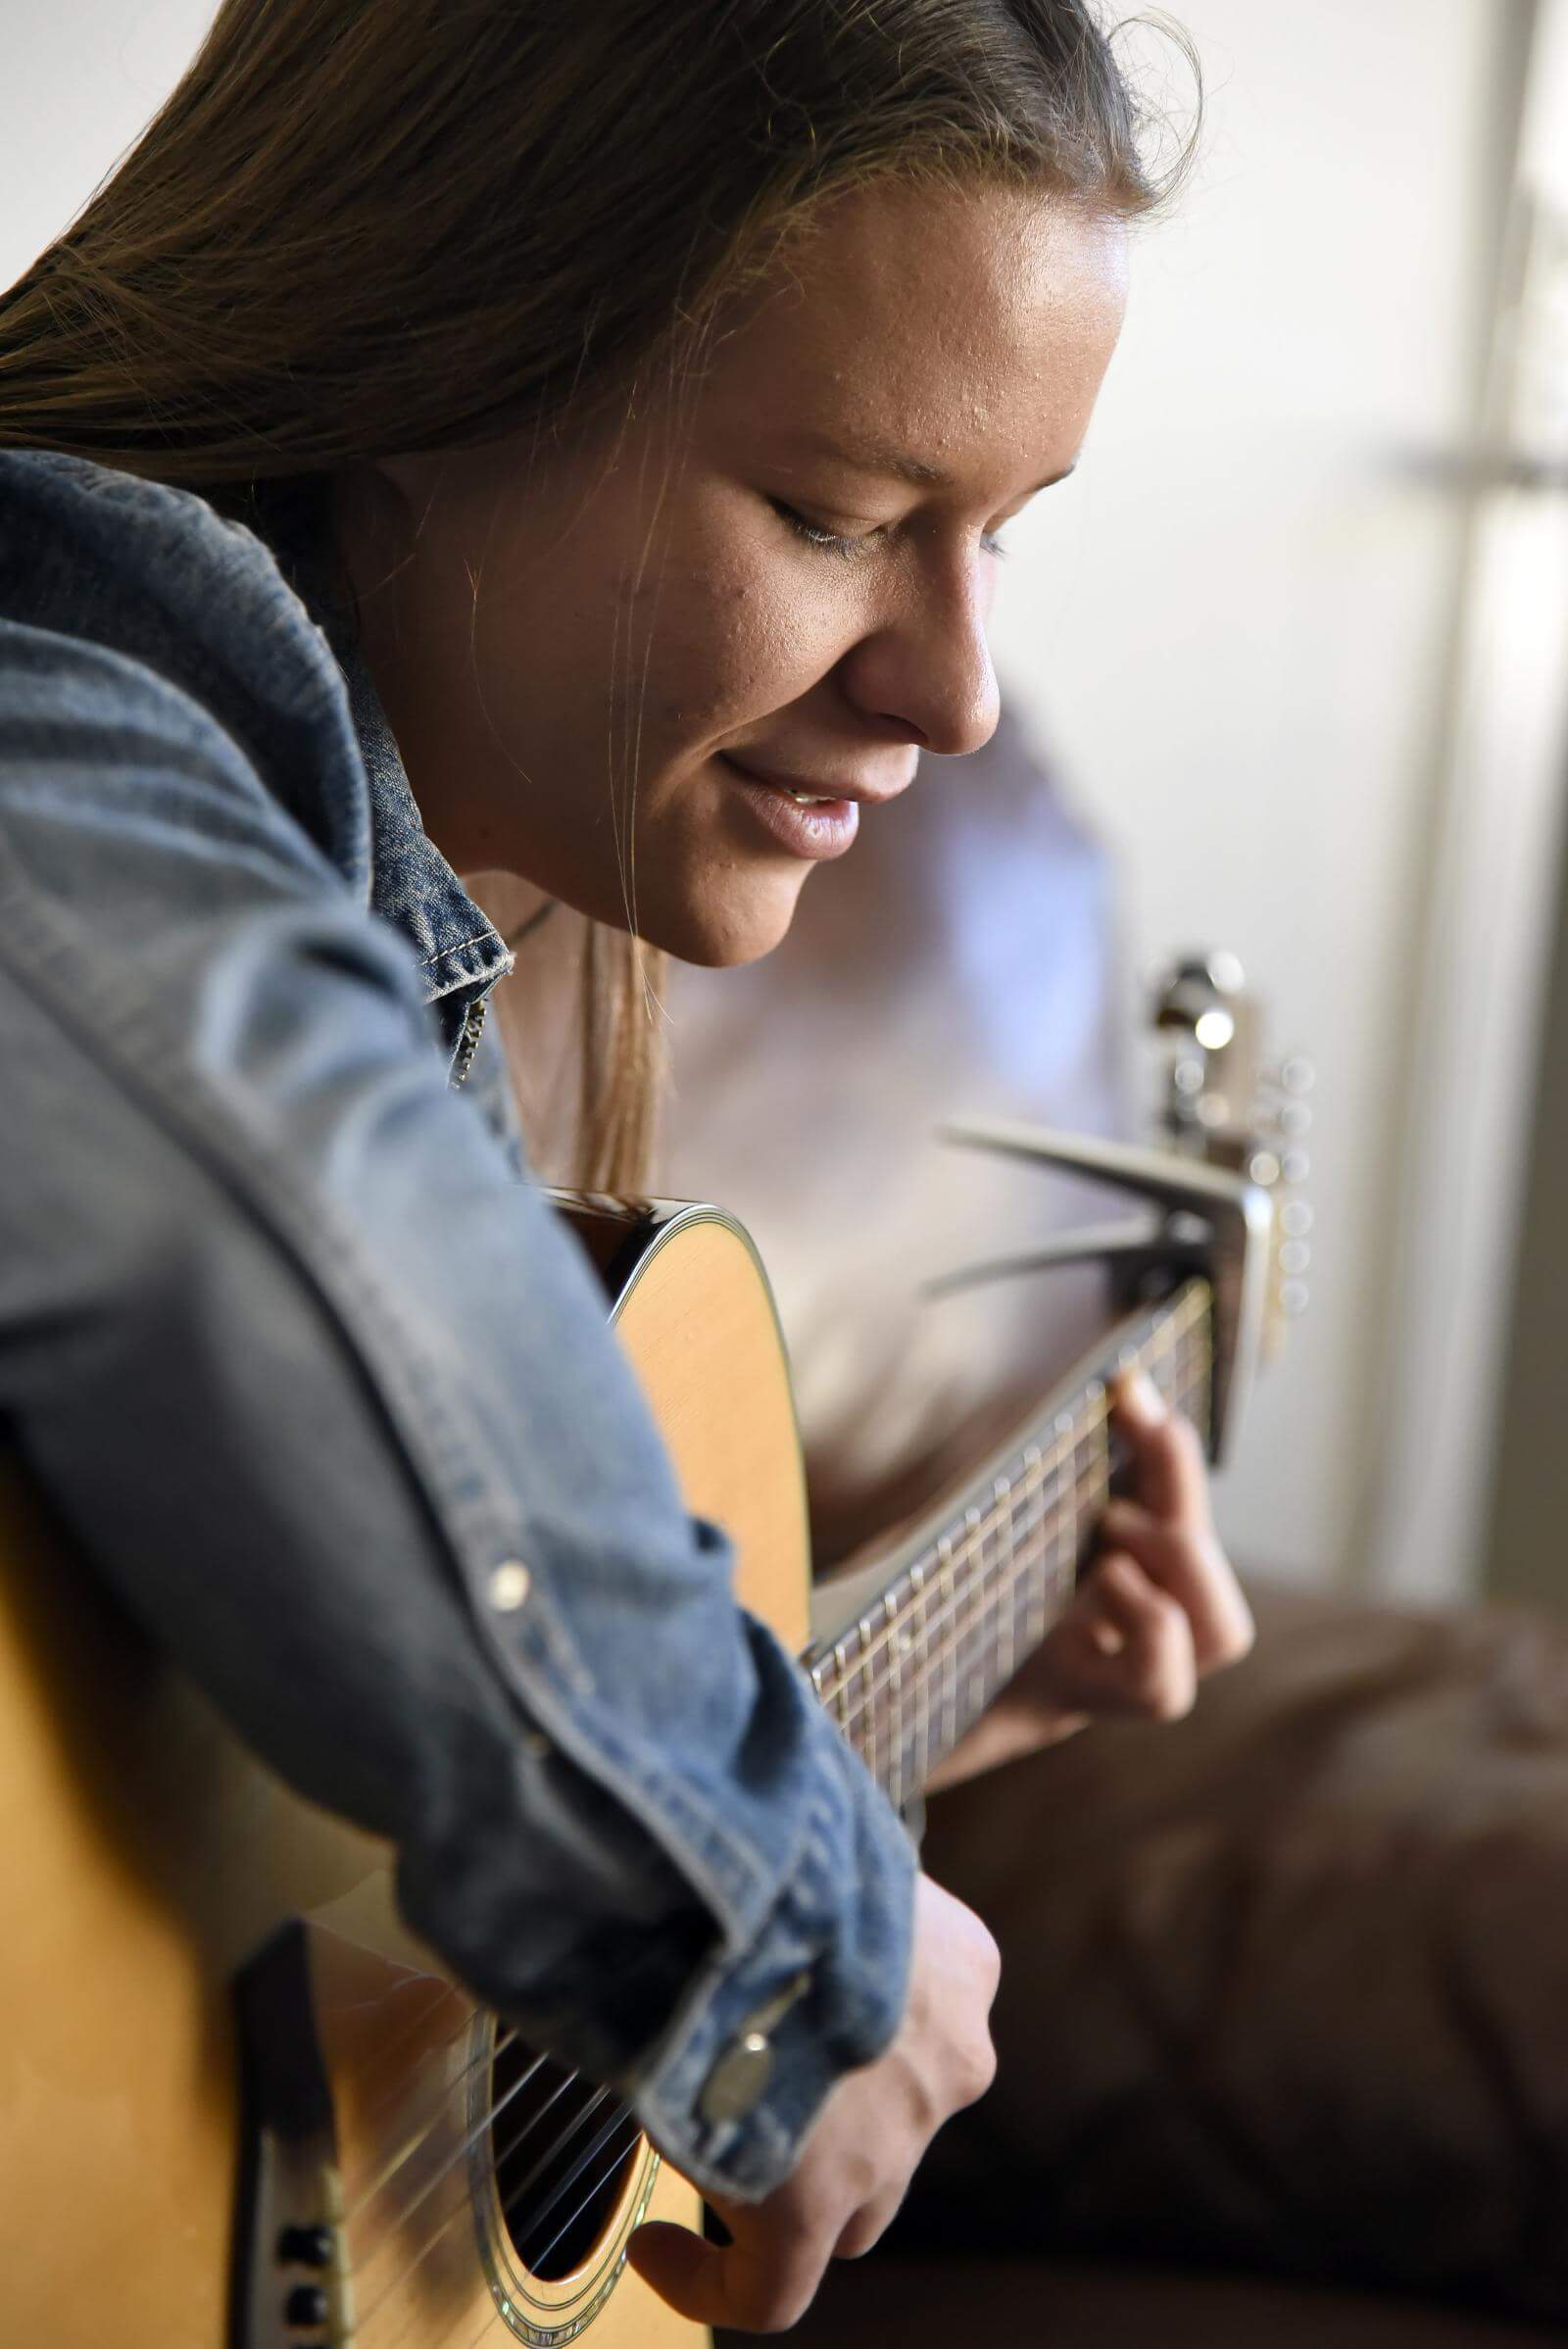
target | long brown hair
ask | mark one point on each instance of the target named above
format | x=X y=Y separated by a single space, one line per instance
x=361 y=226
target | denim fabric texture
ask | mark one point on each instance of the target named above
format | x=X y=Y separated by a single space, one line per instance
x=303 y=1358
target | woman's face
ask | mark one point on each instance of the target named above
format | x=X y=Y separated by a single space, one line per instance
x=784 y=588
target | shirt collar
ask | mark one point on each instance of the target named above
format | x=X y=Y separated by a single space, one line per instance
x=461 y=952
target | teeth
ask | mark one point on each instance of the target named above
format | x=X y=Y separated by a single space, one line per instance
x=805 y=799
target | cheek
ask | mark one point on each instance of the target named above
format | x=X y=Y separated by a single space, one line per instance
x=731 y=642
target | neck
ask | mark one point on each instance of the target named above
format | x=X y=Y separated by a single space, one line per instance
x=506 y=899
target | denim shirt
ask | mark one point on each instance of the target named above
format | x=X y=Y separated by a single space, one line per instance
x=327 y=1392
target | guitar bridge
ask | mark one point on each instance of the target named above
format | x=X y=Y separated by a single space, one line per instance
x=291 y=2268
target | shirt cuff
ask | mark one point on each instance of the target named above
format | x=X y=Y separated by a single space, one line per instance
x=733 y=2086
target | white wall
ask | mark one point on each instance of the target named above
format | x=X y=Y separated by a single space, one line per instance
x=1233 y=624
x=1236 y=619
x=80 y=80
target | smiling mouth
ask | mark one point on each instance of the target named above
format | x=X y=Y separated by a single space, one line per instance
x=803 y=794
x=808 y=790
x=810 y=824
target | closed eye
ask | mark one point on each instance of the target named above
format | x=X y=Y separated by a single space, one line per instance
x=835 y=542
x=832 y=541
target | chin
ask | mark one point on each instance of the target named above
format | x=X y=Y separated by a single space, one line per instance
x=720 y=934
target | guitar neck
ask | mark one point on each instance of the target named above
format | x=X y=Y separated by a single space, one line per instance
x=972 y=1590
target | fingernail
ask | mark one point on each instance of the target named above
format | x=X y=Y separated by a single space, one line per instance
x=1140 y=1390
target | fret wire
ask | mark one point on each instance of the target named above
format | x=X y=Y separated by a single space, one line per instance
x=1010 y=1644
x=1038 y=1605
x=951 y=1555
x=1068 y=1544
x=951 y=1552
x=1055 y=1582
x=973 y=1646
x=922 y=1718
x=978 y=1524
x=949 y=1686
x=949 y=1615
x=895 y=1664
x=1094 y=1391
x=1005 y=1550
x=870 y=1750
x=950 y=1730
x=990 y=1646
x=1188 y=1310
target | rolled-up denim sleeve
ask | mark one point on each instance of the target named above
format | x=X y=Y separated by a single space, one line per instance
x=329 y=1398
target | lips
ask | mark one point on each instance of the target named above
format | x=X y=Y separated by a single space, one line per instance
x=818 y=787
x=811 y=829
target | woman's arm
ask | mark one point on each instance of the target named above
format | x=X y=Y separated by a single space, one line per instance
x=307 y=1371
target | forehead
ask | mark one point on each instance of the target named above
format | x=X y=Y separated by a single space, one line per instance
x=929 y=321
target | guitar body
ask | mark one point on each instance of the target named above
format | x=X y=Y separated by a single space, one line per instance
x=149 y=1857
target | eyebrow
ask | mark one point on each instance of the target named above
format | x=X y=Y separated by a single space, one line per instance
x=883 y=457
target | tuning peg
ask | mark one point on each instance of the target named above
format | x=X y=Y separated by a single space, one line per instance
x=1293 y=1118
x=1210 y=970
x=1294 y=1074
x=1209 y=1215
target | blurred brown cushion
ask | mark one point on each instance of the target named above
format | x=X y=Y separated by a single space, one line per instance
x=1286 y=1984
x=1037 y=2304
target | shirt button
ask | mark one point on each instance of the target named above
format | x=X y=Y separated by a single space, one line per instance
x=737 y=2079
x=509 y=1587
x=744 y=2069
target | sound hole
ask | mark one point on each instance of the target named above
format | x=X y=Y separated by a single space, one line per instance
x=563 y=2150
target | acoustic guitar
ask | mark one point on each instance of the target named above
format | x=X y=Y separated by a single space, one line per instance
x=240 y=2104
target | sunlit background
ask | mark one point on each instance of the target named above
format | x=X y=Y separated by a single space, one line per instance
x=1296 y=637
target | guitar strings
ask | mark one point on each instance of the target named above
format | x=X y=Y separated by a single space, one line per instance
x=972 y=1541
x=965 y=1622
x=969 y=1606
x=623 y=2119
x=461 y=2208
x=423 y=2137
x=964 y=1611
x=564 y=2185
x=617 y=2121
x=1000 y=1590
x=389 y=2230
x=430 y=2120
x=1155 y=1351
x=556 y=2146
x=977 y=1535
x=390 y=2227
x=928 y=1726
x=394 y=2047
x=532 y=2258
x=1003 y=1587
x=960 y=1552
x=414 y=2143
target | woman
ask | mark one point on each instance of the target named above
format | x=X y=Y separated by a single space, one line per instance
x=566 y=443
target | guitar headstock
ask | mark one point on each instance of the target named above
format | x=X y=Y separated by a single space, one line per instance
x=1220 y=1184
x=1222 y=1102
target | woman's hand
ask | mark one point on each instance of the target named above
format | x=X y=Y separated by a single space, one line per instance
x=861 y=2152
x=1159 y=1607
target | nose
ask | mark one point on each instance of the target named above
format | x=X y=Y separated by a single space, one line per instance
x=925 y=667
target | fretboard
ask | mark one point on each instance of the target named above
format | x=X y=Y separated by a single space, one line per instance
x=970 y=1591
